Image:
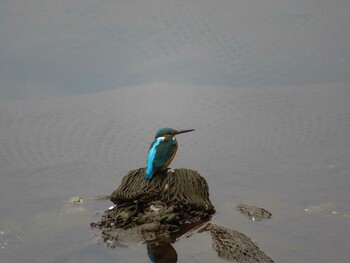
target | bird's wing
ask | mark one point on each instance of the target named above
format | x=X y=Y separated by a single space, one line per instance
x=164 y=152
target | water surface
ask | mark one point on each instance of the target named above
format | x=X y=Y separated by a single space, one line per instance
x=84 y=85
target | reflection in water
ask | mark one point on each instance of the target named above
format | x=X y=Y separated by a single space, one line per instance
x=162 y=253
x=229 y=244
x=234 y=246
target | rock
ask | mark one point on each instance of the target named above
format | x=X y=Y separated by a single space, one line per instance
x=161 y=205
x=254 y=213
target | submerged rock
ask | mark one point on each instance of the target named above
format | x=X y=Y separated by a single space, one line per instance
x=253 y=212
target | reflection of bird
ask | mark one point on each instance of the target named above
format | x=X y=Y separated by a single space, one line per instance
x=161 y=253
x=162 y=150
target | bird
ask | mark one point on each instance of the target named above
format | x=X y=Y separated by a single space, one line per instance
x=162 y=150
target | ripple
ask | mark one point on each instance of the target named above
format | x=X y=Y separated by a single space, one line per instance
x=113 y=130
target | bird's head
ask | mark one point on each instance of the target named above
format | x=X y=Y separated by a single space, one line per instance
x=165 y=132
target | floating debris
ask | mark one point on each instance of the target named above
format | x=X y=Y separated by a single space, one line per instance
x=77 y=200
x=322 y=208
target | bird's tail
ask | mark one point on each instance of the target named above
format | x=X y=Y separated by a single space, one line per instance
x=149 y=174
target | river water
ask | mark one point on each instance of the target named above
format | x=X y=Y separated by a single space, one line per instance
x=85 y=86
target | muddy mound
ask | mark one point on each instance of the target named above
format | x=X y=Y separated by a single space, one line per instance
x=156 y=208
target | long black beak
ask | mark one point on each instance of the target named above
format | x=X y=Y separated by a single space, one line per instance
x=183 y=131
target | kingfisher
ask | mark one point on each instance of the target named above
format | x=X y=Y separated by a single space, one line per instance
x=162 y=150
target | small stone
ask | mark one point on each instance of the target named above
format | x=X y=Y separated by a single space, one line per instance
x=253 y=213
x=77 y=200
x=154 y=208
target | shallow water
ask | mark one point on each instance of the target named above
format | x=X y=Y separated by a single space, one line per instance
x=85 y=85
x=285 y=149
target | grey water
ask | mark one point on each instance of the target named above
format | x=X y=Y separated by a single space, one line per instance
x=84 y=85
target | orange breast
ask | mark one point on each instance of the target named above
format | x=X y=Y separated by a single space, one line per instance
x=171 y=158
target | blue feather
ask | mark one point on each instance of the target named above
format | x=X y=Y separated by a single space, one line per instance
x=150 y=170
